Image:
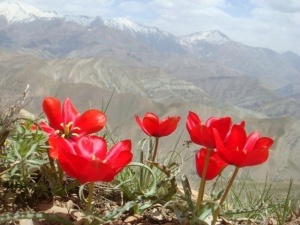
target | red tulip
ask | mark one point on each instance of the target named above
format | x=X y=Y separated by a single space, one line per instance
x=67 y=122
x=239 y=150
x=87 y=158
x=215 y=164
x=153 y=127
x=202 y=134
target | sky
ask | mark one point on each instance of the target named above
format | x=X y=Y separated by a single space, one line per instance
x=273 y=24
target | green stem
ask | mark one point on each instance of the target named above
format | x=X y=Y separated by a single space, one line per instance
x=90 y=197
x=141 y=169
x=216 y=213
x=23 y=172
x=153 y=159
x=51 y=161
x=203 y=180
x=60 y=175
x=89 y=201
x=155 y=149
x=57 y=171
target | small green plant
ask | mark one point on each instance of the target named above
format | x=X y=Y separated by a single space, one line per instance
x=150 y=181
x=24 y=157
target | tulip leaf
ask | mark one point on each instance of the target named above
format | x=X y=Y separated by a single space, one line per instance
x=152 y=188
x=187 y=192
x=119 y=211
x=80 y=193
x=205 y=211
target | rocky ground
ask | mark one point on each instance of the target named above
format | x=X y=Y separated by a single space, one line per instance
x=70 y=208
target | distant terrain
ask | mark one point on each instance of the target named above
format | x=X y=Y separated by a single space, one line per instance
x=87 y=59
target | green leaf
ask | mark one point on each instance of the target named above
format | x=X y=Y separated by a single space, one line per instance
x=152 y=189
x=16 y=148
x=36 y=161
x=32 y=149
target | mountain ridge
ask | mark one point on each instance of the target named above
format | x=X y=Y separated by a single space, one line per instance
x=30 y=13
x=65 y=38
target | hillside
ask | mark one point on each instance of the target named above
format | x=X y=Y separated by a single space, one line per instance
x=87 y=58
x=136 y=94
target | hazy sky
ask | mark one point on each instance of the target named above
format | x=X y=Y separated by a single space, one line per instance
x=273 y=24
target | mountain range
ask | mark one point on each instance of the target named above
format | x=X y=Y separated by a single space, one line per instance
x=87 y=58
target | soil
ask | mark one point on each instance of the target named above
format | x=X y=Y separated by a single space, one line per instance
x=70 y=208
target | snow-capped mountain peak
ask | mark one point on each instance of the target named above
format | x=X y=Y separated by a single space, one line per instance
x=211 y=36
x=16 y=12
x=124 y=24
x=80 y=20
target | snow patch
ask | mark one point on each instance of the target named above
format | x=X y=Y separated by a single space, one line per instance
x=124 y=24
x=211 y=36
x=80 y=20
x=16 y=12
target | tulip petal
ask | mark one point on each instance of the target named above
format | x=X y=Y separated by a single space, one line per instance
x=260 y=152
x=251 y=141
x=99 y=171
x=120 y=155
x=241 y=151
x=53 y=147
x=46 y=128
x=215 y=164
x=168 y=126
x=232 y=151
x=237 y=138
x=152 y=126
x=192 y=120
x=149 y=124
x=85 y=169
x=221 y=124
x=236 y=158
x=202 y=135
x=51 y=107
x=256 y=157
x=58 y=144
x=74 y=165
x=264 y=142
x=86 y=160
x=69 y=112
x=91 y=121
x=91 y=146
x=140 y=123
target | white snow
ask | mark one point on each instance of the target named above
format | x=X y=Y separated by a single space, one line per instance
x=15 y=11
x=211 y=36
x=121 y=23
x=81 y=20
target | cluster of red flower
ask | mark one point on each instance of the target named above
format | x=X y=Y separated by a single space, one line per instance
x=80 y=154
x=226 y=143
x=85 y=157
